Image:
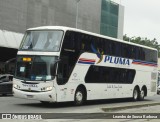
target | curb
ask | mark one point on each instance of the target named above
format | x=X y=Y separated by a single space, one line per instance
x=130 y=106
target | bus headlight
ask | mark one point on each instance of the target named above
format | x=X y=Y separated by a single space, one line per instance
x=49 y=88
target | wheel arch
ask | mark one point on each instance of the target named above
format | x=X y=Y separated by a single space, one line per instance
x=137 y=87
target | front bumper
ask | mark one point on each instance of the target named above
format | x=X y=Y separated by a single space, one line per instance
x=49 y=96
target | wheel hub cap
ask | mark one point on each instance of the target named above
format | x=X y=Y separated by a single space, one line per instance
x=79 y=96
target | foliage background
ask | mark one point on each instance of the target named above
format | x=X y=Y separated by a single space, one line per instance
x=143 y=41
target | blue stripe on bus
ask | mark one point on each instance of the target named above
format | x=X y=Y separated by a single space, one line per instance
x=144 y=62
x=82 y=62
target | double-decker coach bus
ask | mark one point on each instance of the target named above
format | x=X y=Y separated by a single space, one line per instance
x=58 y=64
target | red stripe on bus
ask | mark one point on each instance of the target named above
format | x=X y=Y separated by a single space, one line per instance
x=86 y=60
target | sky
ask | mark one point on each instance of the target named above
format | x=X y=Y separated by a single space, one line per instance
x=142 y=18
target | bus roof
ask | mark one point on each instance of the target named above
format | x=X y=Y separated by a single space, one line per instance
x=87 y=32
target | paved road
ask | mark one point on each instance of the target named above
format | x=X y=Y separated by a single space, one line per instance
x=9 y=104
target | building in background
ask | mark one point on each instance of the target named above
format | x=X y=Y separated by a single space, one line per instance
x=112 y=18
x=98 y=16
x=9 y=43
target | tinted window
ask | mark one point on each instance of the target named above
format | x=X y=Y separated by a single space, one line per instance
x=42 y=40
x=88 y=43
x=3 y=77
x=99 y=74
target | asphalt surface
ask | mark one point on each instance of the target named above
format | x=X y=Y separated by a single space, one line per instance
x=11 y=104
x=66 y=111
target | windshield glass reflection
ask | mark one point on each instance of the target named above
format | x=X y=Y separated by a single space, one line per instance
x=37 y=68
x=42 y=41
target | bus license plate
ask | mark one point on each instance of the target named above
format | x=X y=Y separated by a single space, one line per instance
x=29 y=96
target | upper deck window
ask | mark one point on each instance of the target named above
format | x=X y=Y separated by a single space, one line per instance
x=42 y=40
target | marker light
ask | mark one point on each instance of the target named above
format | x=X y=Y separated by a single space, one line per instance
x=27 y=59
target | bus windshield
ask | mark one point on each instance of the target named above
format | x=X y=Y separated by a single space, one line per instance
x=42 y=40
x=36 y=68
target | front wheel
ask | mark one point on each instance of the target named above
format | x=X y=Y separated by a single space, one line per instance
x=79 y=97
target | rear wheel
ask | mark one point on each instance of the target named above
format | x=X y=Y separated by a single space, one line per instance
x=141 y=94
x=79 y=97
x=135 y=94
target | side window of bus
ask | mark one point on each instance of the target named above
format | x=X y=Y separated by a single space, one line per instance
x=78 y=41
x=154 y=56
x=129 y=50
x=147 y=57
x=69 y=40
x=100 y=74
x=100 y=45
x=118 y=49
x=130 y=76
x=124 y=50
x=142 y=54
x=88 y=41
x=137 y=53
x=133 y=52
x=111 y=48
x=107 y=47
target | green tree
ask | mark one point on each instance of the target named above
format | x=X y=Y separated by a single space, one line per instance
x=143 y=41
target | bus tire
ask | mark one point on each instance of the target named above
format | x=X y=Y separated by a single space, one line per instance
x=79 y=97
x=135 y=94
x=141 y=94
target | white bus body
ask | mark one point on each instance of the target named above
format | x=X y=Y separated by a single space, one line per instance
x=88 y=71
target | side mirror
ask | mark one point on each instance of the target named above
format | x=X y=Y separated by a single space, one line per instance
x=57 y=61
x=6 y=65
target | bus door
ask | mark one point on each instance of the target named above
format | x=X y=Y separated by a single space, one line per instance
x=62 y=78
